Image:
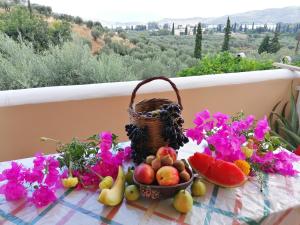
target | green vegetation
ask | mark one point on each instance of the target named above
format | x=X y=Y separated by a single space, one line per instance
x=286 y=126
x=41 y=50
x=265 y=45
x=20 y=25
x=198 y=42
x=225 y=63
x=225 y=46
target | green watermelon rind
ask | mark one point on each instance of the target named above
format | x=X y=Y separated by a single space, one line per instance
x=216 y=183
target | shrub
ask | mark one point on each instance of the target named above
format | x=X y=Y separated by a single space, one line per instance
x=60 y=31
x=225 y=63
x=96 y=32
x=18 y=24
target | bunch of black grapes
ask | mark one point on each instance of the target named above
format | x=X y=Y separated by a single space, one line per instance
x=172 y=132
x=139 y=138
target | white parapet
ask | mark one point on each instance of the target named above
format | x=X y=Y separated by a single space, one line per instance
x=104 y=90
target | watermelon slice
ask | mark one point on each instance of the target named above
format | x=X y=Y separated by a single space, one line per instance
x=217 y=171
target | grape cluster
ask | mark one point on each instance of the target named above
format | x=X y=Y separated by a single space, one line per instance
x=172 y=131
x=138 y=137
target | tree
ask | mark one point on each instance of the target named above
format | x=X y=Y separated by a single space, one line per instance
x=225 y=46
x=98 y=24
x=96 y=32
x=60 y=31
x=298 y=42
x=253 y=26
x=275 y=45
x=234 y=27
x=186 y=30
x=19 y=24
x=198 y=42
x=78 y=20
x=90 y=24
x=166 y=26
x=265 y=45
x=29 y=8
x=195 y=30
x=173 y=29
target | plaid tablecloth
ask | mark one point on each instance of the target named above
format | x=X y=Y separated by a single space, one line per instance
x=278 y=204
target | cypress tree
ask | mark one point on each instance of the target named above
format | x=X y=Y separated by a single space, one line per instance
x=253 y=26
x=29 y=8
x=298 y=42
x=186 y=30
x=234 y=27
x=195 y=30
x=198 y=42
x=265 y=45
x=173 y=29
x=275 y=45
x=225 y=46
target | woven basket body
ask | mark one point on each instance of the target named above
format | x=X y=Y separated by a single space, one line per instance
x=154 y=126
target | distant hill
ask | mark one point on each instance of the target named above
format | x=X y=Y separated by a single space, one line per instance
x=285 y=15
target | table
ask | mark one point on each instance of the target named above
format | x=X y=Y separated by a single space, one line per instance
x=278 y=204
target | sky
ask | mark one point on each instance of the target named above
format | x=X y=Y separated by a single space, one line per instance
x=153 y=10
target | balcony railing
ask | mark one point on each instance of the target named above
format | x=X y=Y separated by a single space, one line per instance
x=79 y=111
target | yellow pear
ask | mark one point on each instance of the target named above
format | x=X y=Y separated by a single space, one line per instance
x=183 y=201
x=114 y=196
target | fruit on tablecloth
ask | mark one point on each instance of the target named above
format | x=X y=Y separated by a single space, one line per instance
x=179 y=165
x=70 y=182
x=132 y=193
x=106 y=183
x=114 y=196
x=183 y=201
x=156 y=164
x=163 y=151
x=220 y=172
x=184 y=176
x=167 y=160
x=243 y=165
x=167 y=176
x=129 y=176
x=149 y=159
x=247 y=151
x=198 y=188
x=144 y=173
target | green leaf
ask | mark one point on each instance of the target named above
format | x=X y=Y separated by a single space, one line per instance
x=288 y=144
x=294 y=115
x=292 y=135
x=284 y=109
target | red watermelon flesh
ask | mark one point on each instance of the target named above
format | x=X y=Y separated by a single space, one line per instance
x=217 y=171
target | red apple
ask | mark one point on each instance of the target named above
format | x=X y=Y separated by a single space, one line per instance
x=144 y=174
x=163 y=151
x=167 y=176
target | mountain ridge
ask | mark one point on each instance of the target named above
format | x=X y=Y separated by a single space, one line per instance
x=290 y=14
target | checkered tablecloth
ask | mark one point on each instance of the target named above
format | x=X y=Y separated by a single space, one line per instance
x=278 y=204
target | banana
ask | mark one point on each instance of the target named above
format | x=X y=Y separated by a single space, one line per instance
x=114 y=196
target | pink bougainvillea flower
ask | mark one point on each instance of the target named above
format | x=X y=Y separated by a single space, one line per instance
x=261 y=129
x=195 y=134
x=43 y=196
x=106 y=141
x=221 y=118
x=33 y=175
x=201 y=117
x=13 y=191
x=14 y=173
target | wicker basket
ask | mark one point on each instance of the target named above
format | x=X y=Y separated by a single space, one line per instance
x=154 y=125
x=162 y=192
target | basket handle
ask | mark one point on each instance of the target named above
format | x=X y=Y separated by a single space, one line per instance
x=151 y=79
